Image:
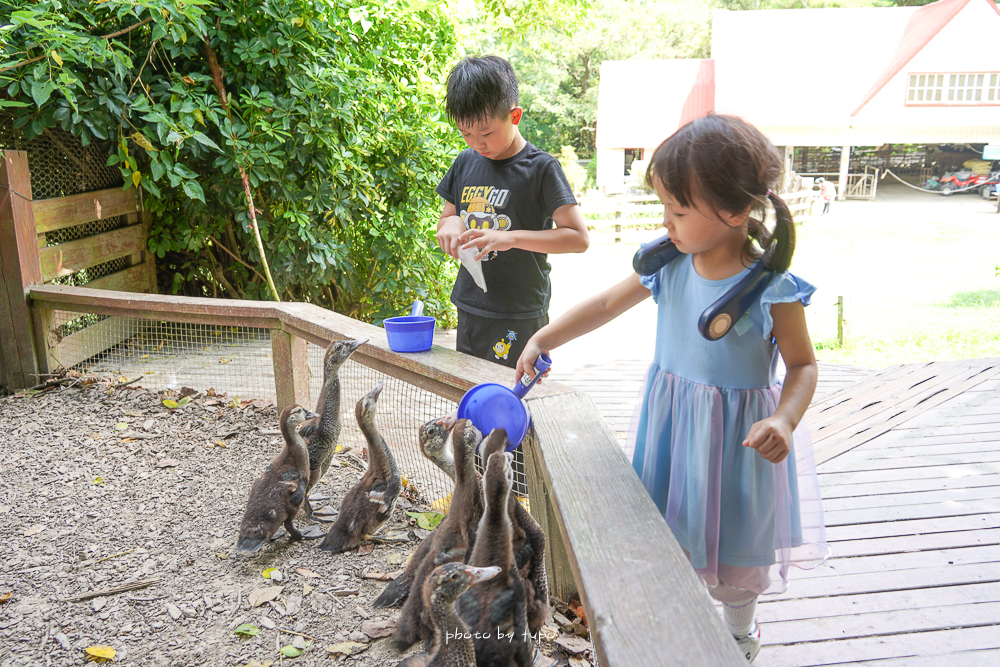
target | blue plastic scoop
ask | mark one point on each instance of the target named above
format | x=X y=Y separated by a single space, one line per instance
x=491 y=405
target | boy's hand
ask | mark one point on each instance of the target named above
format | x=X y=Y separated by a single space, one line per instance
x=771 y=437
x=486 y=241
x=526 y=362
x=448 y=233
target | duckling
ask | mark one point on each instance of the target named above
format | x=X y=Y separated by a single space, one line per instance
x=433 y=439
x=452 y=646
x=453 y=539
x=277 y=495
x=369 y=504
x=528 y=544
x=496 y=611
x=323 y=431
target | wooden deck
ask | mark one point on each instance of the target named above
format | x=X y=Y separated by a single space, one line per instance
x=909 y=465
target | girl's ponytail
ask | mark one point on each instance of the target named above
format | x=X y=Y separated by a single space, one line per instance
x=780 y=258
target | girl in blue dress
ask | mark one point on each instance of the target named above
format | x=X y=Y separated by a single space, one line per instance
x=718 y=441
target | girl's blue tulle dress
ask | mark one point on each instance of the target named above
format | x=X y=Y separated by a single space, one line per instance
x=738 y=516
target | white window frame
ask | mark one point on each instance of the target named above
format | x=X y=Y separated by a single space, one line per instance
x=953 y=89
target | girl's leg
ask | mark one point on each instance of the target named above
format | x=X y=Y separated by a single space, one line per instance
x=739 y=607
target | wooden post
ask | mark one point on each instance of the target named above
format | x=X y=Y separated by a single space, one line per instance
x=19 y=267
x=618 y=224
x=289 y=354
x=148 y=256
x=845 y=163
x=557 y=568
x=843 y=333
x=786 y=177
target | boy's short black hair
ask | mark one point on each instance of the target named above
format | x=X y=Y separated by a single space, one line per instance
x=481 y=89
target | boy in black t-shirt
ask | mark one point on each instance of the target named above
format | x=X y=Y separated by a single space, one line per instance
x=511 y=202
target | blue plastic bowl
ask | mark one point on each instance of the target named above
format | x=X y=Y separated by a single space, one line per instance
x=491 y=406
x=410 y=333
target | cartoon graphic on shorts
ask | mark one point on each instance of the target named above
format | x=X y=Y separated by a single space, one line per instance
x=480 y=214
x=502 y=349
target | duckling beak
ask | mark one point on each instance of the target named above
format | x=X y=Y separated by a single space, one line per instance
x=374 y=393
x=355 y=344
x=481 y=574
x=310 y=414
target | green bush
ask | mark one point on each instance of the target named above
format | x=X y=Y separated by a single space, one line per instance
x=334 y=115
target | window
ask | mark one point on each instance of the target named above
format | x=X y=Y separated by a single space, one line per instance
x=631 y=154
x=954 y=89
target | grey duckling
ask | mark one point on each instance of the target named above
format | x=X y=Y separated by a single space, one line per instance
x=433 y=439
x=277 y=495
x=528 y=543
x=453 y=539
x=323 y=431
x=496 y=611
x=452 y=645
x=370 y=502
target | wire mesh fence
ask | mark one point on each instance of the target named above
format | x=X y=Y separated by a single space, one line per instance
x=237 y=362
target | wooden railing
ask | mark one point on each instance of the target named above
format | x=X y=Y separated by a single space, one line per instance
x=606 y=540
x=27 y=257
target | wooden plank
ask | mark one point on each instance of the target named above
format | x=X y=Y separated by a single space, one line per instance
x=794 y=610
x=290 y=359
x=875 y=582
x=86 y=343
x=20 y=269
x=875 y=624
x=132 y=279
x=833 y=491
x=843 y=517
x=932 y=450
x=68 y=258
x=63 y=212
x=980 y=658
x=916 y=461
x=912 y=527
x=645 y=604
x=896 y=563
x=907 y=543
x=559 y=573
x=938 y=643
x=914 y=498
x=933 y=472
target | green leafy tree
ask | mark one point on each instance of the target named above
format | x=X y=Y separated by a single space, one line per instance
x=325 y=114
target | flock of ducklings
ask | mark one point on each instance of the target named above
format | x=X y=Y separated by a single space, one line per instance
x=487 y=540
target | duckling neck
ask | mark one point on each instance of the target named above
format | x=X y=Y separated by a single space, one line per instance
x=295 y=444
x=379 y=455
x=329 y=419
x=447 y=621
x=495 y=547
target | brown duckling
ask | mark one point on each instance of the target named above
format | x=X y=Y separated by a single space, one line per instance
x=528 y=544
x=452 y=645
x=323 y=431
x=496 y=611
x=369 y=504
x=277 y=495
x=433 y=439
x=453 y=539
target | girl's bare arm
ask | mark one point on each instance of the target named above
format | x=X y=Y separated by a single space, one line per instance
x=582 y=318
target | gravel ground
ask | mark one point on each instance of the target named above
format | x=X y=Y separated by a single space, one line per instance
x=105 y=487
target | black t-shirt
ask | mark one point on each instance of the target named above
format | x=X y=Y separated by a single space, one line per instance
x=520 y=192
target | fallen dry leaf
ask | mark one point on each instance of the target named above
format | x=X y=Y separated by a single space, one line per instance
x=573 y=645
x=306 y=573
x=34 y=530
x=365 y=549
x=5 y=596
x=101 y=652
x=266 y=594
x=380 y=576
x=346 y=648
x=376 y=629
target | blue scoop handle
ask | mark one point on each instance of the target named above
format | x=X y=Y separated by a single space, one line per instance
x=418 y=308
x=542 y=364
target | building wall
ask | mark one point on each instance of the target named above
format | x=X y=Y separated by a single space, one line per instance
x=966 y=44
x=611 y=170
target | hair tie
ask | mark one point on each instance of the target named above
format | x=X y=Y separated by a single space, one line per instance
x=769 y=193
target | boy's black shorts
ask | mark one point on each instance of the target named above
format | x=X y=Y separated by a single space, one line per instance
x=499 y=341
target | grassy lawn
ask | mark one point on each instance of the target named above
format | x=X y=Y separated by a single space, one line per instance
x=918 y=273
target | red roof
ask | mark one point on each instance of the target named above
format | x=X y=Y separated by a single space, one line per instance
x=701 y=100
x=924 y=24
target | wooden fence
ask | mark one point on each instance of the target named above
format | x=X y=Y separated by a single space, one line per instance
x=29 y=257
x=607 y=541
